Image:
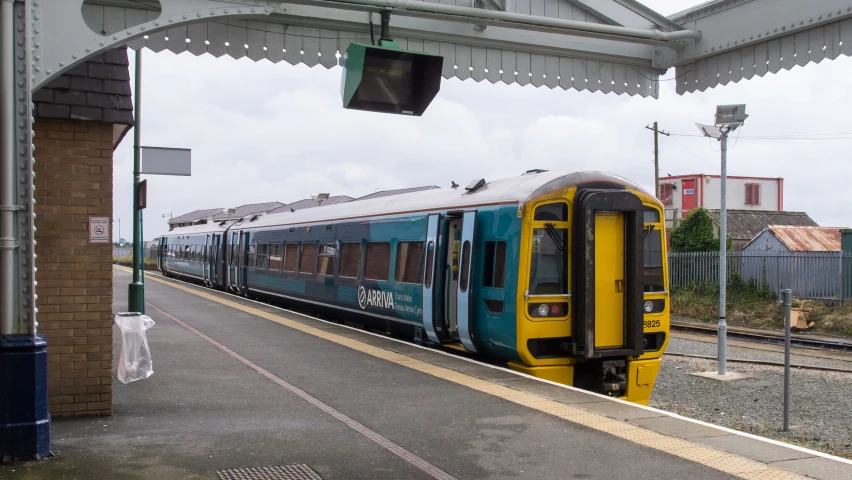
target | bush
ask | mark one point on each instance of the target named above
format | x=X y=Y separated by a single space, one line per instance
x=695 y=234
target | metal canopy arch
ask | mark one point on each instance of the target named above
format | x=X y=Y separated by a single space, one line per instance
x=553 y=43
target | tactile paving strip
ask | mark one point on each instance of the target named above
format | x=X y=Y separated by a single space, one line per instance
x=274 y=472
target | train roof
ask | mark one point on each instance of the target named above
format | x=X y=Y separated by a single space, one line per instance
x=512 y=190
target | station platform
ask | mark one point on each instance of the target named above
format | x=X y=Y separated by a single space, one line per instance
x=239 y=386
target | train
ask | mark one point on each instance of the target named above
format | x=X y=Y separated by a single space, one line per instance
x=558 y=275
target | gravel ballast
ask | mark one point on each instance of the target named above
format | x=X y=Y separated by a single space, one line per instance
x=821 y=402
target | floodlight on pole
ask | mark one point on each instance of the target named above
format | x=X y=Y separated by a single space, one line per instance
x=728 y=119
x=319 y=197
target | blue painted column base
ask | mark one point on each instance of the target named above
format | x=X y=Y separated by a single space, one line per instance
x=24 y=415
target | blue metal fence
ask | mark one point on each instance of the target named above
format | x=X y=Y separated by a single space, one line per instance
x=816 y=275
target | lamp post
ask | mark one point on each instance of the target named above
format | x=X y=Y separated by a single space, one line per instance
x=728 y=119
x=319 y=197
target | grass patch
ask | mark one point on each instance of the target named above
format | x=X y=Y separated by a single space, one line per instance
x=751 y=307
x=127 y=261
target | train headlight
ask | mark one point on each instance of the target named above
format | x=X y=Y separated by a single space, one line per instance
x=649 y=306
x=543 y=310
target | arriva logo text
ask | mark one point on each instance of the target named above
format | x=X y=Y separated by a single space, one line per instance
x=374 y=298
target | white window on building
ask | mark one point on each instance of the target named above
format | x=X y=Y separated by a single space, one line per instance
x=752 y=194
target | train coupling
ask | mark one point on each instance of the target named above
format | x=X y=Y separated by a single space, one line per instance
x=614 y=377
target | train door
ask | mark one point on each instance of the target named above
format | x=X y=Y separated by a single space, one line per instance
x=608 y=274
x=609 y=279
x=459 y=253
x=205 y=265
x=232 y=261
x=430 y=292
x=160 y=255
x=241 y=261
x=463 y=297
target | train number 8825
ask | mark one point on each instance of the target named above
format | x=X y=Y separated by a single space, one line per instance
x=652 y=323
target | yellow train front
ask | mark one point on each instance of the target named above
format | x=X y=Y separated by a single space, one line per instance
x=592 y=297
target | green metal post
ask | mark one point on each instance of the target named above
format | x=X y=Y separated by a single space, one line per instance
x=136 y=290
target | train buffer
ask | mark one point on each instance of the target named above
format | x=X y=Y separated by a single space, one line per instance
x=242 y=386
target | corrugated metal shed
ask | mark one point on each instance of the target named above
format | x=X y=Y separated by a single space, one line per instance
x=745 y=225
x=796 y=239
x=808 y=239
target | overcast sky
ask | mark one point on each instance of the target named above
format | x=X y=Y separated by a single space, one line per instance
x=263 y=132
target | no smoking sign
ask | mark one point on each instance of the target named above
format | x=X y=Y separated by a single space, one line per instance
x=98 y=229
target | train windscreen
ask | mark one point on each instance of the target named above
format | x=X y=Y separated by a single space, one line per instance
x=653 y=263
x=548 y=262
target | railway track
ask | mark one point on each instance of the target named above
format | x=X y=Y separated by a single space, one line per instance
x=767 y=337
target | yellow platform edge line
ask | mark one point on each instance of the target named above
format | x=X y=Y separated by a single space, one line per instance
x=704 y=455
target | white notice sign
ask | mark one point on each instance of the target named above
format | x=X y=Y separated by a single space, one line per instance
x=98 y=229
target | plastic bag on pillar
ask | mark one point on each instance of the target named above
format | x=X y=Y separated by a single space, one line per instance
x=134 y=362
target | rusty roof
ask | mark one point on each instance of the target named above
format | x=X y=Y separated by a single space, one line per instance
x=808 y=239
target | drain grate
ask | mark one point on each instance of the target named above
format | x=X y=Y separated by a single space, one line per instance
x=274 y=472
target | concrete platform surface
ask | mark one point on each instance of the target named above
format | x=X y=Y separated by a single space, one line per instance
x=239 y=384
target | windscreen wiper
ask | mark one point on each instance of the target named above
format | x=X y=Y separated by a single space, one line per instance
x=554 y=235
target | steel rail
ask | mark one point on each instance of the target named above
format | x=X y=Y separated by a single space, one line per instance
x=761 y=362
x=839 y=345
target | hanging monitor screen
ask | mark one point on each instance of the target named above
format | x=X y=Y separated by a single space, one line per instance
x=389 y=80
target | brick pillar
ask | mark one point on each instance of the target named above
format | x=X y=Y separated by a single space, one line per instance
x=73 y=165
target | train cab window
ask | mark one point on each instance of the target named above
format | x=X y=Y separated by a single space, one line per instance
x=495 y=264
x=430 y=256
x=552 y=212
x=291 y=251
x=326 y=259
x=308 y=259
x=653 y=258
x=378 y=261
x=262 y=255
x=274 y=257
x=350 y=259
x=408 y=259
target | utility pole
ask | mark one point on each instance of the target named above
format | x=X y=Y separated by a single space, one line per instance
x=657 y=157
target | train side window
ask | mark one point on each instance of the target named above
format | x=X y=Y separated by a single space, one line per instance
x=495 y=264
x=465 y=266
x=262 y=254
x=274 y=257
x=186 y=252
x=430 y=256
x=350 y=259
x=252 y=255
x=291 y=251
x=409 y=256
x=308 y=259
x=326 y=259
x=378 y=261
